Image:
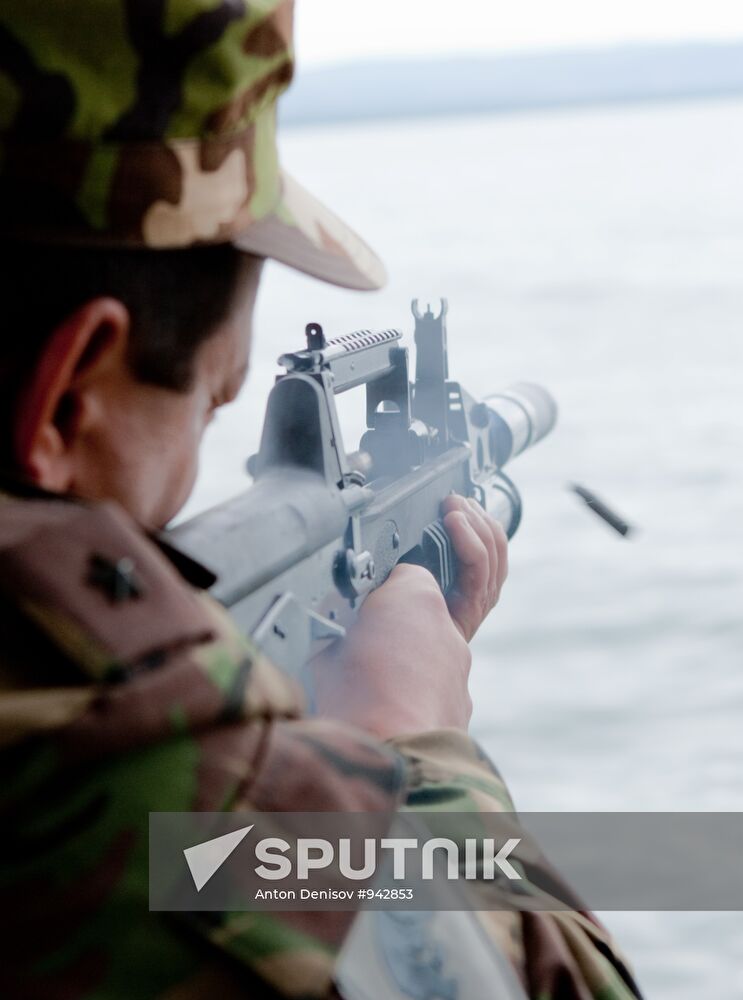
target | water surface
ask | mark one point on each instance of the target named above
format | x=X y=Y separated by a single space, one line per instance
x=601 y=253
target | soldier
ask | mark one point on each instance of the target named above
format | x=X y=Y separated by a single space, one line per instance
x=140 y=191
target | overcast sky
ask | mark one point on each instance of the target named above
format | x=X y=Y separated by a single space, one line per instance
x=331 y=31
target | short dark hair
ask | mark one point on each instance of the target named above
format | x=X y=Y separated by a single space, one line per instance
x=176 y=299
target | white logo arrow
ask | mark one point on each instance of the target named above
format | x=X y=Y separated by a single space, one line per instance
x=205 y=859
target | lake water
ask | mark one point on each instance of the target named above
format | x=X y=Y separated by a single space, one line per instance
x=601 y=253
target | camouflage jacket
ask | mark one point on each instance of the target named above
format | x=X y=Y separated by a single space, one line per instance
x=110 y=709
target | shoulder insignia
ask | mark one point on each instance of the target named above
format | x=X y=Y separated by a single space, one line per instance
x=97 y=586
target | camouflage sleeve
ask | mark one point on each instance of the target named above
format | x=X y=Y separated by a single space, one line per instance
x=113 y=708
x=82 y=766
x=559 y=953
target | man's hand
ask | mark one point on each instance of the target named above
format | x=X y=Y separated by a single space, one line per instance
x=404 y=664
x=481 y=549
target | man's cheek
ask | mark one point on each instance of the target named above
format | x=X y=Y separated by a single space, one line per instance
x=175 y=470
x=183 y=478
x=171 y=480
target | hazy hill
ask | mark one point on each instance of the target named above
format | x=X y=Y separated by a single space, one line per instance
x=412 y=88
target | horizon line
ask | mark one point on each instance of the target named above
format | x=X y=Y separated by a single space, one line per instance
x=517 y=51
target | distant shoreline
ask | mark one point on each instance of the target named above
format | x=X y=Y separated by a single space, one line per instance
x=515 y=83
x=514 y=111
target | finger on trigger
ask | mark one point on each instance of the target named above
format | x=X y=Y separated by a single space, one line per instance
x=454 y=502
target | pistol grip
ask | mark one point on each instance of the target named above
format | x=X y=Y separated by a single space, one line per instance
x=435 y=553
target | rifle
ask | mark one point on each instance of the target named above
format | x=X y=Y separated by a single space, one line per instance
x=295 y=554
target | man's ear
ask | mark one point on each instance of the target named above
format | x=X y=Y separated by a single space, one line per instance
x=90 y=341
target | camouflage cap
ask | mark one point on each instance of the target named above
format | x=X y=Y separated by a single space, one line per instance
x=152 y=123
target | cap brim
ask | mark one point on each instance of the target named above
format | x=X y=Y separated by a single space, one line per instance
x=302 y=233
